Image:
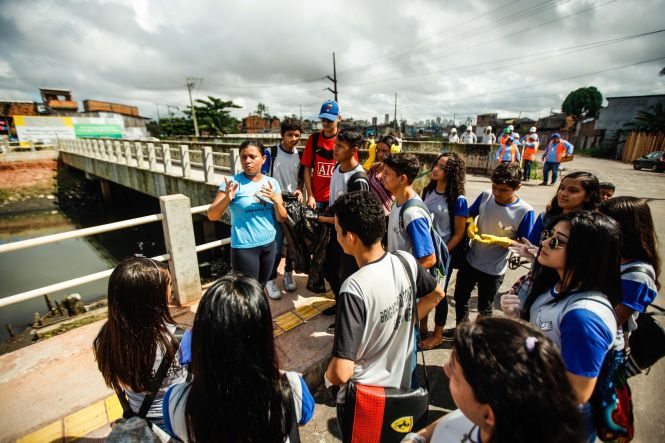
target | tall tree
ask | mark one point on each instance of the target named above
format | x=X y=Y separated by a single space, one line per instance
x=583 y=103
x=262 y=110
x=214 y=115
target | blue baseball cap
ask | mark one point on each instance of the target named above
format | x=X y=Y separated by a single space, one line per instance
x=329 y=110
x=555 y=135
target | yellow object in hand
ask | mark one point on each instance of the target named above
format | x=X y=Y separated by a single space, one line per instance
x=371 y=157
x=489 y=239
x=472 y=229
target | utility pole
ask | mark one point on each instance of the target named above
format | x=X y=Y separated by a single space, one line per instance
x=333 y=79
x=159 y=123
x=191 y=81
x=395 y=115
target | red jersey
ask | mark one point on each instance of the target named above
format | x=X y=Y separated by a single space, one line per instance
x=322 y=164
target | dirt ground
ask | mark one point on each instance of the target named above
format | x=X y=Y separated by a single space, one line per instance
x=15 y=175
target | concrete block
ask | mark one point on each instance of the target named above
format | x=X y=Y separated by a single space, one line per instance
x=208 y=165
x=185 y=161
x=152 y=157
x=140 y=159
x=166 y=156
x=181 y=245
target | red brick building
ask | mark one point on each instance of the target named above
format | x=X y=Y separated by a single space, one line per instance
x=255 y=124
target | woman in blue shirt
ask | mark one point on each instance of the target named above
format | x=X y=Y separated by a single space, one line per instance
x=444 y=197
x=255 y=201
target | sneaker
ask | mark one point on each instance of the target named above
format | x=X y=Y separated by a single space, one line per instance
x=449 y=334
x=329 y=312
x=289 y=284
x=273 y=290
x=331 y=329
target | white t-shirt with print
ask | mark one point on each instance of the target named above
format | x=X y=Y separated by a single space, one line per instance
x=454 y=427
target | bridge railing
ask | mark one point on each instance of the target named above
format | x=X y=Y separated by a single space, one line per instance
x=157 y=157
x=6 y=146
x=181 y=249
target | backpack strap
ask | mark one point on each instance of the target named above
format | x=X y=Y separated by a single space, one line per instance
x=155 y=384
x=273 y=156
x=640 y=269
x=358 y=182
x=409 y=203
x=407 y=269
x=294 y=435
x=315 y=147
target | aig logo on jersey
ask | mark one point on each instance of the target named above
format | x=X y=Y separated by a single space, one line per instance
x=402 y=425
x=324 y=169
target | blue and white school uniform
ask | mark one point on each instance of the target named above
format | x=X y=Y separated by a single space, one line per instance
x=639 y=290
x=454 y=428
x=175 y=401
x=438 y=207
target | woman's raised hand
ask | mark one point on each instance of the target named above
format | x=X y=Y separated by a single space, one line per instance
x=269 y=192
x=231 y=188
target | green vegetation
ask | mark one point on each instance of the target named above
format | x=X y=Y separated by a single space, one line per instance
x=583 y=103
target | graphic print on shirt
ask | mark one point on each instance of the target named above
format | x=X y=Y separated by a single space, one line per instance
x=544 y=326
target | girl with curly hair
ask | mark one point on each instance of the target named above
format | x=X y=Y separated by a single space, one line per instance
x=444 y=197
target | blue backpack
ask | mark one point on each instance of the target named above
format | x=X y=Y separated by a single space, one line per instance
x=440 y=268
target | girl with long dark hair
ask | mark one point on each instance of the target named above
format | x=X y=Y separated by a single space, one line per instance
x=388 y=144
x=640 y=262
x=256 y=205
x=578 y=191
x=237 y=393
x=576 y=283
x=139 y=334
x=508 y=381
x=444 y=197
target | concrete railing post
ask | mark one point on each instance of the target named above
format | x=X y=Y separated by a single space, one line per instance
x=152 y=157
x=89 y=148
x=181 y=246
x=140 y=160
x=128 y=153
x=185 y=162
x=106 y=148
x=114 y=148
x=208 y=165
x=234 y=159
x=166 y=155
x=93 y=149
x=31 y=144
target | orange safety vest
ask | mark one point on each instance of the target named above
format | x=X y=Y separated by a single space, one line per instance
x=560 y=150
x=502 y=139
x=512 y=154
x=529 y=152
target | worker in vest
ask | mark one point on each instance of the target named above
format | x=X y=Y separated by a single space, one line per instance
x=508 y=153
x=557 y=149
x=505 y=136
x=529 y=148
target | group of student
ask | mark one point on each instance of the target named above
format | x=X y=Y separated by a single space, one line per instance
x=526 y=376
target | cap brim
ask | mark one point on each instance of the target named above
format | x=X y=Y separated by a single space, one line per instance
x=331 y=117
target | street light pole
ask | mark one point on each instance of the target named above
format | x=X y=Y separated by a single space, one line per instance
x=190 y=84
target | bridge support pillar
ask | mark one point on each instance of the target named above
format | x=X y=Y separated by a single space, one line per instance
x=106 y=190
x=181 y=246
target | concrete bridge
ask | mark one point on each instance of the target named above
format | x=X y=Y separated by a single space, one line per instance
x=196 y=169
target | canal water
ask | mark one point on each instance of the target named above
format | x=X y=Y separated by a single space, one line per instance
x=79 y=204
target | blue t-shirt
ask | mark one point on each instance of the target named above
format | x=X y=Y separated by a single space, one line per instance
x=639 y=290
x=252 y=219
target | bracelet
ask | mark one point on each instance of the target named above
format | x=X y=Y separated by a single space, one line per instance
x=413 y=437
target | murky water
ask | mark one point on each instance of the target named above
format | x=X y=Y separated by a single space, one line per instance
x=80 y=205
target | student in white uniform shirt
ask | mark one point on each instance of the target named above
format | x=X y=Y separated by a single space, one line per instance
x=509 y=384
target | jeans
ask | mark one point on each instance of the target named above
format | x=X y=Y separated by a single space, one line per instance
x=551 y=166
x=279 y=241
x=527 y=169
x=488 y=286
x=587 y=422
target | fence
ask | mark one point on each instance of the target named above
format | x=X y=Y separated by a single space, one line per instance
x=181 y=249
x=6 y=146
x=642 y=143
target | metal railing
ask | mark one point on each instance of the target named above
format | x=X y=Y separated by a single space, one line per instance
x=182 y=293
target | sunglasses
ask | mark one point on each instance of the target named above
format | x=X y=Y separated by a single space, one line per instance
x=555 y=242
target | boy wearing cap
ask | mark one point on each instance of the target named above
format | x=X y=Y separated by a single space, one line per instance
x=317 y=159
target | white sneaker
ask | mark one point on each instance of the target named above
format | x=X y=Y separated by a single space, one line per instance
x=273 y=290
x=289 y=283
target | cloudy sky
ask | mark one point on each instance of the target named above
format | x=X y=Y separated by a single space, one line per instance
x=441 y=57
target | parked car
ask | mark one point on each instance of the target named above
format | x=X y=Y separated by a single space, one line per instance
x=654 y=160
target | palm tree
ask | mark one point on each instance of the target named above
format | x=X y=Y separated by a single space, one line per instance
x=214 y=115
x=650 y=120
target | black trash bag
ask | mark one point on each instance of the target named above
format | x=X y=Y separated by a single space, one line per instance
x=302 y=232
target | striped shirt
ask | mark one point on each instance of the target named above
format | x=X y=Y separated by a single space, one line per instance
x=376 y=185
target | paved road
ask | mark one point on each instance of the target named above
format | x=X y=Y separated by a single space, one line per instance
x=648 y=390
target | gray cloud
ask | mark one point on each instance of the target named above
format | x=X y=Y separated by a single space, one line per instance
x=440 y=57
